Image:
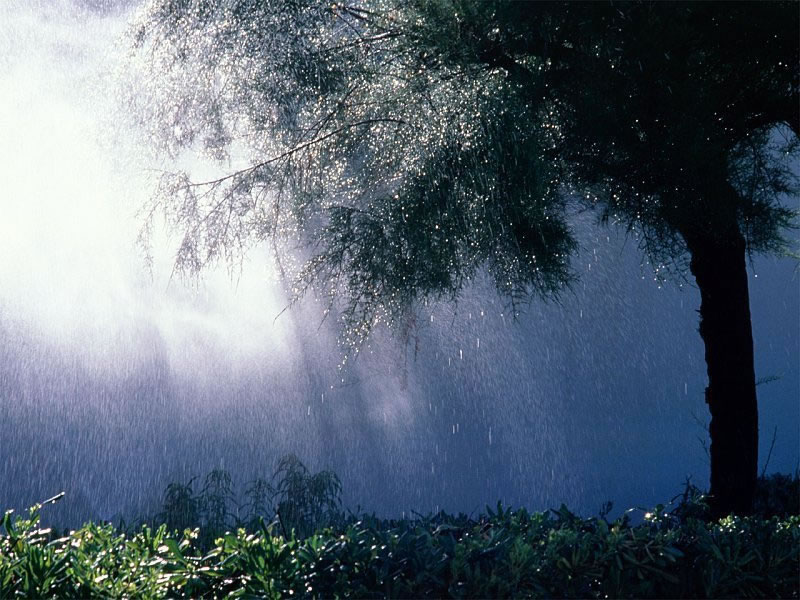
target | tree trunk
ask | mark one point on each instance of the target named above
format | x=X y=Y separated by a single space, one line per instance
x=718 y=265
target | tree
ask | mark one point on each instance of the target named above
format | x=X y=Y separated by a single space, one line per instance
x=400 y=175
x=407 y=146
x=665 y=117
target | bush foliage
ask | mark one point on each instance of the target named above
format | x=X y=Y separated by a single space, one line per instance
x=504 y=553
x=293 y=498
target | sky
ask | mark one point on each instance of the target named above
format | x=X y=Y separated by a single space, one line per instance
x=116 y=380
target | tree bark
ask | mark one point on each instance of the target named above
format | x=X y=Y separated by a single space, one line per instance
x=719 y=267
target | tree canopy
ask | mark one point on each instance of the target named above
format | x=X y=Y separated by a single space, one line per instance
x=404 y=174
x=408 y=145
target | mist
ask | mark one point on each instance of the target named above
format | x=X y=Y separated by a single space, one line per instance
x=118 y=377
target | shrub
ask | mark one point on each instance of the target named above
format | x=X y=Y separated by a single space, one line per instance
x=295 y=499
x=777 y=495
x=504 y=553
